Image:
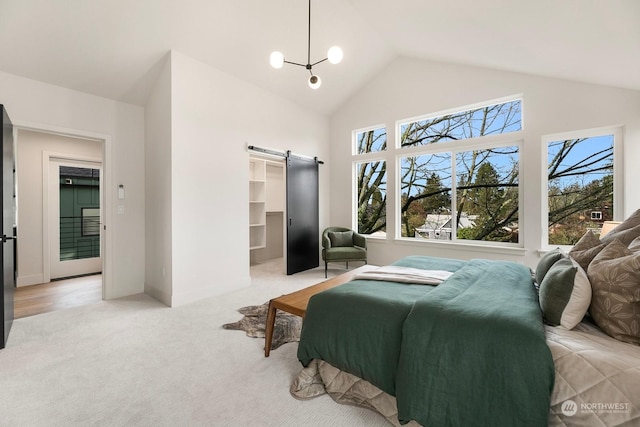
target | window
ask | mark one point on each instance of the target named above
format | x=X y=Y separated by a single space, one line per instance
x=372 y=197
x=90 y=221
x=581 y=186
x=371 y=181
x=456 y=186
x=489 y=120
x=372 y=140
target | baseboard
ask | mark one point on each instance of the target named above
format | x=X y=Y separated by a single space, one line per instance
x=159 y=295
x=34 y=279
x=181 y=298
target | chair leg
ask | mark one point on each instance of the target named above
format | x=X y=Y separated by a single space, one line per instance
x=325 y=269
x=347 y=264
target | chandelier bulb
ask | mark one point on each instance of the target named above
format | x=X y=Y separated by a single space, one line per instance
x=314 y=82
x=276 y=59
x=335 y=54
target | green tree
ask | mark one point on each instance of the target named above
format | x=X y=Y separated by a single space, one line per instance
x=492 y=203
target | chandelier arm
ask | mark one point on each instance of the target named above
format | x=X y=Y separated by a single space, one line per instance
x=316 y=63
x=295 y=63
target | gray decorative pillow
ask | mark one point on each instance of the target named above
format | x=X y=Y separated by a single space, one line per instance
x=586 y=249
x=625 y=236
x=615 y=279
x=341 y=238
x=631 y=221
x=565 y=294
x=546 y=262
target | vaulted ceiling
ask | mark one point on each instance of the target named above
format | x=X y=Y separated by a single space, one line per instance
x=113 y=48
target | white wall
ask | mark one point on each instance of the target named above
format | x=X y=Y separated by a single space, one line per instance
x=213 y=117
x=411 y=87
x=37 y=105
x=158 y=265
x=29 y=171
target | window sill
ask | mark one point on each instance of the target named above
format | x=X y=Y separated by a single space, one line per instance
x=508 y=250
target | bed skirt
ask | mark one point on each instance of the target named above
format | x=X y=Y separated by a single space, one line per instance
x=321 y=378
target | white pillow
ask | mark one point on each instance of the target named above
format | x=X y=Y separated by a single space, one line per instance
x=634 y=246
x=565 y=294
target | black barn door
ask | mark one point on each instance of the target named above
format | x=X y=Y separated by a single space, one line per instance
x=7 y=247
x=303 y=240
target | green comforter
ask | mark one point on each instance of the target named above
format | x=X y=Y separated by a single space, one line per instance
x=470 y=351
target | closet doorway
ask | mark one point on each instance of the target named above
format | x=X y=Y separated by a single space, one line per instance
x=284 y=211
x=273 y=245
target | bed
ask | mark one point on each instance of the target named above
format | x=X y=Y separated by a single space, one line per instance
x=472 y=350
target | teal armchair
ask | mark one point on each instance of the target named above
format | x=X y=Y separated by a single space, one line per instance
x=341 y=244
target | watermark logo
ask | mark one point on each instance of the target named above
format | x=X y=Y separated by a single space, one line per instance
x=569 y=408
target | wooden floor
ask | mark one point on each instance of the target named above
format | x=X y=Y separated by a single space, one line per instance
x=57 y=295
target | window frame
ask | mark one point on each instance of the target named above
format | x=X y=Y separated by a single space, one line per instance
x=512 y=138
x=462 y=109
x=618 y=173
x=370 y=157
x=454 y=149
x=354 y=140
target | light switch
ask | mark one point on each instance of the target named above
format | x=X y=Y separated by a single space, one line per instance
x=120 y=209
x=120 y=192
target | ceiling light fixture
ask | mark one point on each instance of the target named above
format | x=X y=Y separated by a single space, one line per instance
x=334 y=56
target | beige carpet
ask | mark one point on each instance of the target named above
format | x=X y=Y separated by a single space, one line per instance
x=135 y=362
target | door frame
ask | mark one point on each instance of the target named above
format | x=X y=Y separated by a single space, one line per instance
x=106 y=238
x=50 y=227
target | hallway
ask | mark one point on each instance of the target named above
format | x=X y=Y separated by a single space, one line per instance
x=57 y=295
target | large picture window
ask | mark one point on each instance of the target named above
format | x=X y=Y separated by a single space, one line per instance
x=481 y=203
x=460 y=183
x=580 y=184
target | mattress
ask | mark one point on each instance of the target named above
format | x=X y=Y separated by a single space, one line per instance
x=597 y=381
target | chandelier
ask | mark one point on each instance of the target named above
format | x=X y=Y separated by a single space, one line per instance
x=334 y=56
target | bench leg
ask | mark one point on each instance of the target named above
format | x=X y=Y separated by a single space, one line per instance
x=268 y=333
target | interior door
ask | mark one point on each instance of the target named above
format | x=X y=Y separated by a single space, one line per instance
x=74 y=218
x=303 y=239
x=8 y=246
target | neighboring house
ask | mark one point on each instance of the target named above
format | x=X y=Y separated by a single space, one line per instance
x=600 y=214
x=438 y=226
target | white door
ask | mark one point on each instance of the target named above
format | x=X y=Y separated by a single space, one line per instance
x=75 y=217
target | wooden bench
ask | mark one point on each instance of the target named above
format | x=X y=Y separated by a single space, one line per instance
x=296 y=302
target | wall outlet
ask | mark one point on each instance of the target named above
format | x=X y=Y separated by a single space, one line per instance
x=120 y=209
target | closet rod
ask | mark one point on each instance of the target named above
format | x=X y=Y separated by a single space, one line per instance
x=280 y=153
